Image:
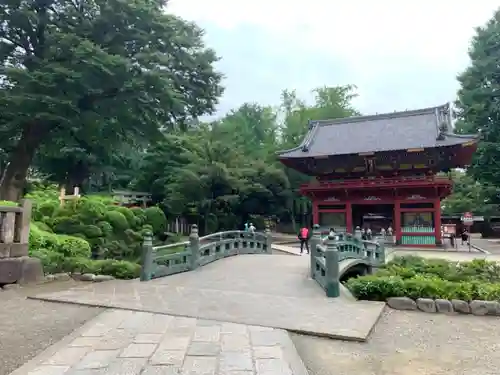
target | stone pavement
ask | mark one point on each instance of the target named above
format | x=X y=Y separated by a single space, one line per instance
x=120 y=342
x=263 y=290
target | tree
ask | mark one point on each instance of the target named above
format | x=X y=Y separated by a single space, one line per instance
x=469 y=195
x=100 y=70
x=478 y=103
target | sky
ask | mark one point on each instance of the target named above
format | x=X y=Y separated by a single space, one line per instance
x=400 y=54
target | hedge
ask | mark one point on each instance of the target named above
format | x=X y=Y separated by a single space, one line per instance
x=377 y=288
x=55 y=262
x=430 y=278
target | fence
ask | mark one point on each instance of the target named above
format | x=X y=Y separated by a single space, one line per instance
x=327 y=253
x=185 y=256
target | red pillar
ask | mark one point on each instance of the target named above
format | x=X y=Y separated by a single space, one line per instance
x=348 y=217
x=397 y=221
x=437 y=220
x=315 y=211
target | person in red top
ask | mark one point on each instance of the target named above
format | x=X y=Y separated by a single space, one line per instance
x=304 y=239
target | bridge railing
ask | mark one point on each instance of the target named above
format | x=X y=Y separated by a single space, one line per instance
x=164 y=260
x=328 y=252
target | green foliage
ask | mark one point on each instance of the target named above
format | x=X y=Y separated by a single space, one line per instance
x=65 y=245
x=85 y=81
x=477 y=105
x=416 y=277
x=156 y=218
x=469 y=196
x=129 y=215
x=8 y=203
x=117 y=220
x=54 y=262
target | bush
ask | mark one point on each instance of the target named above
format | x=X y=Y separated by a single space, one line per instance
x=55 y=262
x=117 y=220
x=377 y=288
x=156 y=218
x=416 y=277
x=139 y=214
x=8 y=203
x=65 y=245
x=408 y=267
x=129 y=215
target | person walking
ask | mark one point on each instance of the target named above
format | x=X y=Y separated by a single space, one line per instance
x=304 y=239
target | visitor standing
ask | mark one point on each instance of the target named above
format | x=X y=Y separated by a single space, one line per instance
x=251 y=228
x=304 y=239
x=246 y=227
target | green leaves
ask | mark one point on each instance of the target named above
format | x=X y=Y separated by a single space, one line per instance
x=114 y=71
x=478 y=104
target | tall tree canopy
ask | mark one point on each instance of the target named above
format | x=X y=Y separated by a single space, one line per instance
x=478 y=103
x=98 y=71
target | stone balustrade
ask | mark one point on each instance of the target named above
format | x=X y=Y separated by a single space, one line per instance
x=16 y=267
x=159 y=261
x=328 y=253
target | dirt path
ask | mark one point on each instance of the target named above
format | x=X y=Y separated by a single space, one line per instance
x=27 y=327
x=410 y=343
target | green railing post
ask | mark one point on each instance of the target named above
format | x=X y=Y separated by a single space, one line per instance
x=269 y=240
x=380 y=248
x=332 y=287
x=147 y=257
x=315 y=241
x=194 y=246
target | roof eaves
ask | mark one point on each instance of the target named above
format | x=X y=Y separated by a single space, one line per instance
x=306 y=141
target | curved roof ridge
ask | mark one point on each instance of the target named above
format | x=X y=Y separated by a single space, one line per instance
x=306 y=141
x=381 y=116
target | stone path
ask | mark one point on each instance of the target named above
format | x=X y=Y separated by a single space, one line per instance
x=27 y=327
x=264 y=290
x=121 y=342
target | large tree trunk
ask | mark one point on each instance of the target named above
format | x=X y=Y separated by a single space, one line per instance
x=14 y=175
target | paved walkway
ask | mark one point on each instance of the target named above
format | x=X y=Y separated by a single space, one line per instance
x=264 y=290
x=122 y=342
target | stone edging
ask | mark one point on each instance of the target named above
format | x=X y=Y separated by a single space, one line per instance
x=65 y=276
x=444 y=306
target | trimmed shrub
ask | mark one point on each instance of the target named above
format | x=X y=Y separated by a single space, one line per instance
x=156 y=218
x=106 y=228
x=8 y=203
x=63 y=244
x=54 y=263
x=117 y=220
x=129 y=215
x=139 y=214
x=376 y=288
x=92 y=231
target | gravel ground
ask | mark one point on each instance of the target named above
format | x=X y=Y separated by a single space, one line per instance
x=27 y=327
x=410 y=343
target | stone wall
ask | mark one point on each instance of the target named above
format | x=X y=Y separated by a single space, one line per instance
x=455 y=306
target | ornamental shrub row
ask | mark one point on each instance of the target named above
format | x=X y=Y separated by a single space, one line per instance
x=416 y=277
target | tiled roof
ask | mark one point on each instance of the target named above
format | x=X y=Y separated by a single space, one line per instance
x=378 y=133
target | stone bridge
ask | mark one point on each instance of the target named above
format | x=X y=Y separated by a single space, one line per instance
x=236 y=277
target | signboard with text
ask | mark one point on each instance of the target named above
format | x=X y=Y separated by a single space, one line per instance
x=468 y=219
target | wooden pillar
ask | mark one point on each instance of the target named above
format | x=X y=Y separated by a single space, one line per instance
x=315 y=211
x=397 y=221
x=437 y=221
x=348 y=217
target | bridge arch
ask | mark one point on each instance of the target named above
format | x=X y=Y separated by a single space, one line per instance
x=349 y=268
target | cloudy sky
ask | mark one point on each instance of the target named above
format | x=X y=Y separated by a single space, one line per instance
x=400 y=54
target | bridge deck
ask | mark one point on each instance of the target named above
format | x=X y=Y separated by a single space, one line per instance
x=262 y=290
